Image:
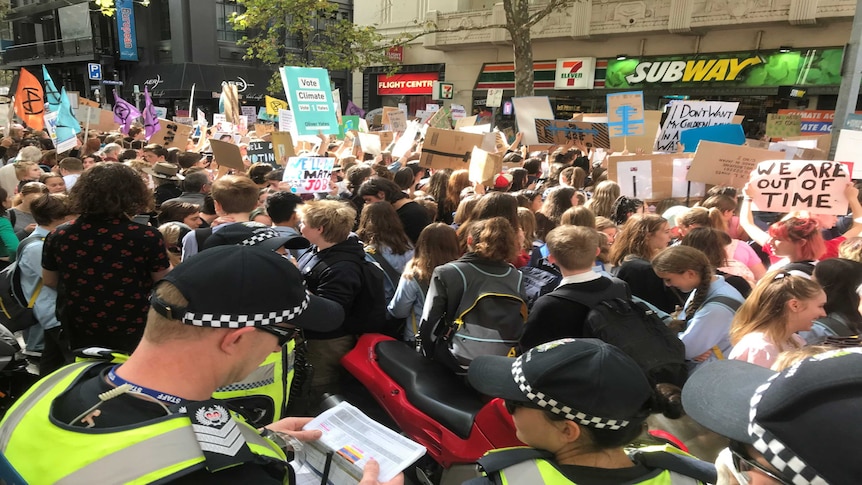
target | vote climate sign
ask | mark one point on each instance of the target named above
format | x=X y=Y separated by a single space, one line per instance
x=310 y=98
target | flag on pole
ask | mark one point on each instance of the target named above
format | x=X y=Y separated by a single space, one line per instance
x=52 y=95
x=353 y=110
x=273 y=105
x=65 y=118
x=151 y=118
x=125 y=113
x=30 y=100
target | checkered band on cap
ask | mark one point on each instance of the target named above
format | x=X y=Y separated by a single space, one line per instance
x=778 y=455
x=239 y=321
x=550 y=404
x=259 y=236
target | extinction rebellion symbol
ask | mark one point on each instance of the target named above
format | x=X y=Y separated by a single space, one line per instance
x=33 y=98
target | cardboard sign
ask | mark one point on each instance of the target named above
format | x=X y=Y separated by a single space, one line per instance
x=646 y=177
x=626 y=114
x=441 y=119
x=406 y=141
x=814 y=122
x=310 y=98
x=750 y=142
x=398 y=121
x=87 y=102
x=730 y=134
x=484 y=166
x=527 y=111
x=260 y=151
x=494 y=98
x=386 y=111
x=848 y=150
x=172 y=135
x=467 y=121
x=790 y=185
x=645 y=142
x=386 y=139
x=282 y=147
x=560 y=132
x=370 y=143
x=782 y=126
x=308 y=175
x=263 y=128
x=286 y=122
x=348 y=123
x=682 y=187
x=685 y=115
x=820 y=142
x=227 y=154
x=723 y=164
x=448 y=148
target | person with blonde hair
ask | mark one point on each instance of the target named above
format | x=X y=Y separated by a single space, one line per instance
x=780 y=305
x=605 y=194
x=578 y=216
x=710 y=306
x=736 y=250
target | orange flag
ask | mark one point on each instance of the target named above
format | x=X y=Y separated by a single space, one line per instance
x=30 y=100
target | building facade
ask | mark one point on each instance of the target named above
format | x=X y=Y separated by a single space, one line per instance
x=751 y=51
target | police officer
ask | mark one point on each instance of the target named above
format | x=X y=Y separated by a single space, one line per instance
x=577 y=403
x=212 y=321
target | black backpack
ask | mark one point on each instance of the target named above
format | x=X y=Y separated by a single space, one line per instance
x=635 y=329
x=391 y=277
x=538 y=281
x=16 y=311
x=370 y=303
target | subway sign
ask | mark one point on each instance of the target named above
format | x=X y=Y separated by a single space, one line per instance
x=818 y=67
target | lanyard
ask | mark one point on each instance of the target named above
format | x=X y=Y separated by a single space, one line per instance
x=160 y=396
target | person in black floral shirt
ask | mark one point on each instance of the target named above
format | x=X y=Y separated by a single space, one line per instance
x=104 y=264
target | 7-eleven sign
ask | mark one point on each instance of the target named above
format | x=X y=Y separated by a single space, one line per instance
x=576 y=73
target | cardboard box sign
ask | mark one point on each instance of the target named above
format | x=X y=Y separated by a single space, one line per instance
x=816 y=186
x=227 y=154
x=448 y=148
x=386 y=138
x=172 y=134
x=723 y=164
x=263 y=128
x=780 y=126
x=653 y=176
x=646 y=142
x=397 y=121
x=560 y=132
x=282 y=147
x=484 y=166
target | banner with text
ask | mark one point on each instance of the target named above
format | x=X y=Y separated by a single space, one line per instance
x=308 y=175
x=684 y=115
x=788 y=185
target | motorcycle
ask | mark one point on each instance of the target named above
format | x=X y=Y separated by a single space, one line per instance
x=432 y=406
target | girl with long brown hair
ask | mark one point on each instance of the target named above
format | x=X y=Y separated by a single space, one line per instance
x=779 y=306
x=604 y=196
x=710 y=305
x=381 y=231
x=436 y=246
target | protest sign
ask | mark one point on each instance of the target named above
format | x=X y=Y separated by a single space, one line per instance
x=397 y=121
x=853 y=122
x=308 y=175
x=386 y=111
x=645 y=142
x=161 y=111
x=814 y=122
x=685 y=115
x=282 y=147
x=448 y=148
x=263 y=128
x=260 y=151
x=87 y=102
x=468 y=121
x=441 y=119
x=626 y=114
x=227 y=155
x=249 y=111
x=386 y=139
x=286 y=122
x=730 y=134
x=433 y=108
x=750 y=142
x=494 y=98
x=68 y=140
x=184 y=120
x=848 y=150
x=370 y=143
x=816 y=186
x=560 y=132
x=723 y=164
x=682 y=187
x=336 y=100
x=781 y=126
x=821 y=142
x=484 y=166
x=527 y=111
x=406 y=141
x=172 y=134
x=458 y=111
x=480 y=129
x=310 y=98
x=647 y=176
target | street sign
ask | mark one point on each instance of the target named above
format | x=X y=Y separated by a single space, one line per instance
x=113 y=83
x=95 y=71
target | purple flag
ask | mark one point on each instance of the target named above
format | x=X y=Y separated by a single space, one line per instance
x=353 y=110
x=151 y=118
x=124 y=113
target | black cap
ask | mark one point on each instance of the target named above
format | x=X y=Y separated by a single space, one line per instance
x=804 y=420
x=586 y=381
x=244 y=286
x=253 y=234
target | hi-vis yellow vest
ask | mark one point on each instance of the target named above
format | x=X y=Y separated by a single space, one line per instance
x=42 y=451
x=271 y=381
x=539 y=471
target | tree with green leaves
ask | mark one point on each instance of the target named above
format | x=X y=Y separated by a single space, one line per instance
x=307 y=33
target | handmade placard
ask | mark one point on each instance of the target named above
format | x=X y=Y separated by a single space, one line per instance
x=723 y=164
x=626 y=114
x=685 y=115
x=308 y=175
x=816 y=186
x=260 y=151
x=560 y=132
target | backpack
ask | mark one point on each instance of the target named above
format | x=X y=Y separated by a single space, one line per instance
x=731 y=304
x=15 y=315
x=370 y=303
x=489 y=320
x=537 y=282
x=635 y=329
x=391 y=276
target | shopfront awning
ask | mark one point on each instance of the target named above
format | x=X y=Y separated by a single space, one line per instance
x=174 y=81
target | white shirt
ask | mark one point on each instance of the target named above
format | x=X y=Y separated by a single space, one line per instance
x=580 y=278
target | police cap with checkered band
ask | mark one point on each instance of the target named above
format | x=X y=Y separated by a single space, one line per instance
x=586 y=381
x=245 y=286
x=805 y=420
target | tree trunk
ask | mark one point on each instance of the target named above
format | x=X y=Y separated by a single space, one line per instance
x=517 y=16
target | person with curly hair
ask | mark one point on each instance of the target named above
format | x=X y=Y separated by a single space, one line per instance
x=103 y=265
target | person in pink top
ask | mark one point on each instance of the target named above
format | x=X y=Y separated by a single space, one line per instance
x=766 y=324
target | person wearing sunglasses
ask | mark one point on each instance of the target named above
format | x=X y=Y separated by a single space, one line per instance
x=797 y=426
x=577 y=403
x=151 y=418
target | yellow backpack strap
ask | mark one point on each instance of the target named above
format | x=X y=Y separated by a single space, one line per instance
x=36 y=292
x=718 y=353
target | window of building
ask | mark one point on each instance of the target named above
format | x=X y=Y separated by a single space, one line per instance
x=224 y=10
x=165 y=27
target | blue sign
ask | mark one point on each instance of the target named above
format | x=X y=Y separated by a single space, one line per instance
x=626 y=114
x=731 y=134
x=126 y=30
x=310 y=98
x=95 y=71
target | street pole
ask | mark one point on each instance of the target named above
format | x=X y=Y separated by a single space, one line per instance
x=851 y=77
